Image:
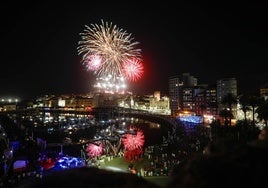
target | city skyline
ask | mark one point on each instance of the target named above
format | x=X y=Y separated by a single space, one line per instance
x=211 y=41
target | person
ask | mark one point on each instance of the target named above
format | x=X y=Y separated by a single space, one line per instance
x=91 y=177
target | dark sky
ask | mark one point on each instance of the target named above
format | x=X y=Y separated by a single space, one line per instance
x=209 y=40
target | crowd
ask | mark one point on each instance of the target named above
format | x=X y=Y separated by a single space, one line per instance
x=223 y=163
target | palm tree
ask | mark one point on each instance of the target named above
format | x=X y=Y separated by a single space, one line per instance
x=229 y=100
x=262 y=111
x=253 y=102
x=226 y=114
x=244 y=102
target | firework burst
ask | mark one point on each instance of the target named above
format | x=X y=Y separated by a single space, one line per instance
x=92 y=62
x=108 y=51
x=132 y=142
x=132 y=69
x=94 y=150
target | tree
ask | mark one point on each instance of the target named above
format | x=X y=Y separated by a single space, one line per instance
x=229 y=100
x=226 y=114
x=253 y=102
x=262 y=111
x=244 y=102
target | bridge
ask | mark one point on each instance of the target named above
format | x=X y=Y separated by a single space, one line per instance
x=164 y=120
x=103 y=112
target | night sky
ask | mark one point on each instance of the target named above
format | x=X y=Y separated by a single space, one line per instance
x=210 y=41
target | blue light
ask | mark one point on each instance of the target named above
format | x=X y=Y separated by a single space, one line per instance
x=191 y=119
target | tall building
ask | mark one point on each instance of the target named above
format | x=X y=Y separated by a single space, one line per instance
x=187 y=99
x=188 y=80
x=206 y=104
x=225 y=86
x=211 y=101
x=174 y=87
x=180 y=93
